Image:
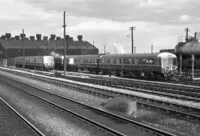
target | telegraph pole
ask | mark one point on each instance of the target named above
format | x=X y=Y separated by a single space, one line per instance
x=186 y=36
x=64 y=26
x=132 y=40
x=23 y=48
x=104 y=49
x=151 y=48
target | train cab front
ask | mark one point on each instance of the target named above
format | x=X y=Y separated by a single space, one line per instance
x=168 y=64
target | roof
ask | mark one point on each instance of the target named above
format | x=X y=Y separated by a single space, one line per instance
x=44 y=44
x=84 y=56
x=166 y=55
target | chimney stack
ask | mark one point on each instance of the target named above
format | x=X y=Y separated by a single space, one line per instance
x=22 y=36
x=52 y=37
x=80 y=37
x=17 y=37
x=8 y=35
x=38 y=36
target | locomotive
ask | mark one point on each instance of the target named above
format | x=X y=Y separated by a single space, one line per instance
x=152 y=65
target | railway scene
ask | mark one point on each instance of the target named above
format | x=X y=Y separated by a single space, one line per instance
x=106 y=68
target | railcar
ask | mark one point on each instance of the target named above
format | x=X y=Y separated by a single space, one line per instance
x=35 y=62
x=148 y=65
x=83 y=63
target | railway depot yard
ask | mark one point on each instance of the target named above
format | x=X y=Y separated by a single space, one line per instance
x=54 y=124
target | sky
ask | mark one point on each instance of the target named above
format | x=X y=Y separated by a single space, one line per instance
x=106 y=23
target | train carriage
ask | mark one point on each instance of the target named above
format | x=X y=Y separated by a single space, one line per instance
x=154 y=64
x=83 y=63
x=35 y=62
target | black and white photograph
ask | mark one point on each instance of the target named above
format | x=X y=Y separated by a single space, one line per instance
x=99 y=68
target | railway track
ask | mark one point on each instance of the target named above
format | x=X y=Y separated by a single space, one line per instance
x=168 y=107
x=13 y=123
x=110 y=123
x=191 y=113
x=181 y=92
x=177 y=91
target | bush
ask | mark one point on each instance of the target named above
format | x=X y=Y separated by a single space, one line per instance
x=57 y=74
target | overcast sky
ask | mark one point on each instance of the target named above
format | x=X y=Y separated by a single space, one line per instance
x=106 y=22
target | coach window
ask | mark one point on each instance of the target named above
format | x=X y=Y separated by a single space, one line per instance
x=114 y=61
x=117 y=61
x=154 y=62
x=111 y=61
x=130 y=61
x=157 y=61
x=136 y=61
x=150 y=62
x=105 y=61
x=125 y=61
x=133 y=61
x=144 y=61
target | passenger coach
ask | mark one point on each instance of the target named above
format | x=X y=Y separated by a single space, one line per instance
x=149 y=65
x=83 y=63
x=35 y=62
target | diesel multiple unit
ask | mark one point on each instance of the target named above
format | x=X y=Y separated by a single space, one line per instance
x=158 y=65
x=149 y=65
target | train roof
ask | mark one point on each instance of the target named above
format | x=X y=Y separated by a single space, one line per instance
x=166 y=55
x=139 y=55
x=35 y=56
x=83 y=56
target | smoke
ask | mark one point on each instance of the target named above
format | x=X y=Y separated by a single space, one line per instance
x=119 y=48
x=54 y=54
